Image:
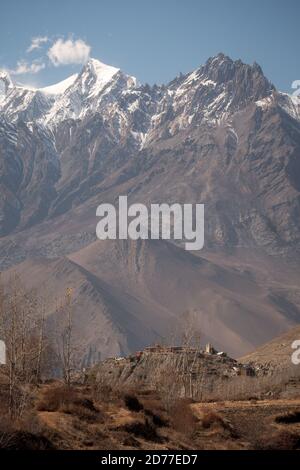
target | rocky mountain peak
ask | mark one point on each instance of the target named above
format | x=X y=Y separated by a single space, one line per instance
x=213 y=92
x=220 y=86
x=243 y=81
x=222 y=68
x=96 y=75
x=217 y=64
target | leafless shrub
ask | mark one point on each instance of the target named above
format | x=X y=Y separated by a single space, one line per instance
x=289 y=418
x=104 y=393
x=211 y=418
x=24 y=434
x=68 y=400
x=30 y=423
x=182 y=418
x=132 y=403
x=278 y=440
x=6 y=432
x=83 y=412
x=66 y=346
x=57 y=397
x=144 y=429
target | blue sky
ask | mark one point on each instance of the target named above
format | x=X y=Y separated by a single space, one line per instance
x=152 y=40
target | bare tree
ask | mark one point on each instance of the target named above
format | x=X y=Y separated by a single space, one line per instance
x=66 y=346
x=23 y=333
x=178 y=380
x=41 y=339
x=189 y=337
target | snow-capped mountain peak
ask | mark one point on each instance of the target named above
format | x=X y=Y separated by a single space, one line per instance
x=213 y=92
x=97 y=74
x=60 y=87
x=95 y=88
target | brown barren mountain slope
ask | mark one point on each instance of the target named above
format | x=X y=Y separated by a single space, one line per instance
x=276 y=352
x=128 y=294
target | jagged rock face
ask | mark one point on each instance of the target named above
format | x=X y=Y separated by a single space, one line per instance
x=29 y=170
x=213 y=92
x=222 y=132
x=245 y=170
x=24 y=105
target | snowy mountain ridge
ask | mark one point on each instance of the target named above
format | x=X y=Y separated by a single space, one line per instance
x=212 y=93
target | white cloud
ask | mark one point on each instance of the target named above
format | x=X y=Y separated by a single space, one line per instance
x=23 y=67
x=37 y=42
x=61 y=52
x=65 y=52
